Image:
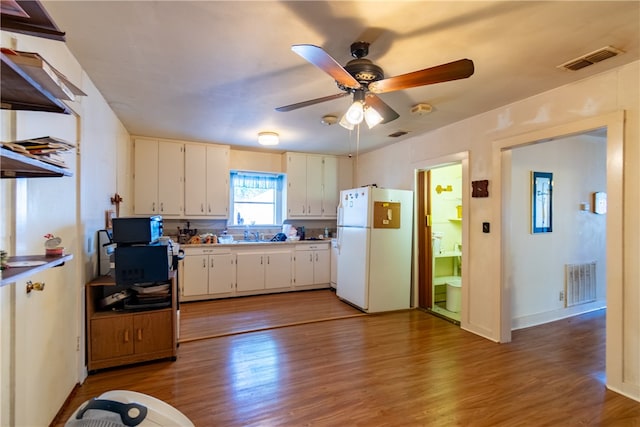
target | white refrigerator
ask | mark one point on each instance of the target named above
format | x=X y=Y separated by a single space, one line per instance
x=374 y=248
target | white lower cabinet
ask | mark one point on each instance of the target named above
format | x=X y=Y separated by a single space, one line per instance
x=227 y=271
x=207 y=273
x=260 y=270
x=312 y=265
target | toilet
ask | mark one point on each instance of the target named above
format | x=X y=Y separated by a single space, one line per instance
x=454 y=297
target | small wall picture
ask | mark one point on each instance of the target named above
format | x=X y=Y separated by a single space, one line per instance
x=541 y=202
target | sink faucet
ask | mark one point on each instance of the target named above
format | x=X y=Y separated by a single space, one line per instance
x=256 y=235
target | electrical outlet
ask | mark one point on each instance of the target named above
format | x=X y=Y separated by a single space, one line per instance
x=561 y=296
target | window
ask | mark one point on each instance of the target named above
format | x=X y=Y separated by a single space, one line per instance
x=256 y=198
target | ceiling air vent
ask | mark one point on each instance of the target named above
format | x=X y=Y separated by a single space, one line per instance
x=591 y=58
x=398 y=134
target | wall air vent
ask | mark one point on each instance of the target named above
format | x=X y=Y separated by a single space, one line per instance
x=398 y=134
x=591 y=58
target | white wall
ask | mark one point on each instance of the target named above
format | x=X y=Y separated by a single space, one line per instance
x=609 y=92
x=536 y=261
x=43 y=332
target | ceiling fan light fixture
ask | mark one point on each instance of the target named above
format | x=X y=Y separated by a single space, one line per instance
x=372 y=117
x=268 y=138
x=355 y=113
x=345 y=124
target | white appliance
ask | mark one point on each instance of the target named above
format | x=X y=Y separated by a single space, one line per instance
x=334 y=263
x=374 y=248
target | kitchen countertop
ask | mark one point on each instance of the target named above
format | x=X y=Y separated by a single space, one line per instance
x=243 y=243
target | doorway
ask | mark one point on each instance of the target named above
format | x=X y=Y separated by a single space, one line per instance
x=614 y=125
x=440 y=207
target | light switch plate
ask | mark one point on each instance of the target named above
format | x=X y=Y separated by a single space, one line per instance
x=486 y=227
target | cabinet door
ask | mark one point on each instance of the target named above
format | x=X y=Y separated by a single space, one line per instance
x=217 y=181
x=304 y=268
x=321 y=266
x=196 y=275
x=152 y=331
x=314 y=186
x=249 y=271
x=145 y=178
x=170 y=178
x=111 y=337
x=296 y=185
x=277 y=269
x=330 y=187
x=195 y=179
x=221 y=273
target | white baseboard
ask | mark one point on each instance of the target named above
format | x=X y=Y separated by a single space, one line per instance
x=550 y=316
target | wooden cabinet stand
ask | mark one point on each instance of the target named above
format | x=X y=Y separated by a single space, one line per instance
x=122 y=337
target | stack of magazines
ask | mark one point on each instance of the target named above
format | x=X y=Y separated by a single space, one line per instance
x=149 y=296
x=47 y=148
x=44 y=74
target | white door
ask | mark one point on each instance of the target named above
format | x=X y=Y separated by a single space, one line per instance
x=296 y=184
x=196 y=275
x=353 y=268
x=221 y=273
x=277 y=269
x=170 y=178
x=145 y=180
x=195 y=174
x=304 y=268
x=321 y=266
x=249 y=271
x=314 y=186
x=217 y=181
x=354 y=206
x=329 y=187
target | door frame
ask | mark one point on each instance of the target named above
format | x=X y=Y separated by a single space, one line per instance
x=463 y=159
x=614 y=123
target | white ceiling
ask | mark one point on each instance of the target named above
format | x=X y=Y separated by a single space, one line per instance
x=213 y=71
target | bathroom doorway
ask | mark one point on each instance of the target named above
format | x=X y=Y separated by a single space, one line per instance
x=440 y=240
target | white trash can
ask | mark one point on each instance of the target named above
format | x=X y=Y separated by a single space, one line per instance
x=118 y=408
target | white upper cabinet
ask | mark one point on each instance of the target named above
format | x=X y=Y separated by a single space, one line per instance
x=312 y=186
x=158 y=177
x=330 y=191
x=206 y=191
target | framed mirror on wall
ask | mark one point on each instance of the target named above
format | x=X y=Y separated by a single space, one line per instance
x=541 y=202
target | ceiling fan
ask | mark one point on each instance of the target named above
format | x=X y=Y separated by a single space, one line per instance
x=365 y=80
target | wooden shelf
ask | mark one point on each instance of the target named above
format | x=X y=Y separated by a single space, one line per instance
x=16 y=165
x=21 y=92
x=29 y=17
x=13 y=274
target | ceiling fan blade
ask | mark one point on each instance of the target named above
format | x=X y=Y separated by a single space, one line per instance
x=311 y=102
x=388 y=114
x=456 y=70
x=321 y=59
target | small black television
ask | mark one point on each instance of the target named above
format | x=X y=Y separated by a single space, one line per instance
x=141 y=264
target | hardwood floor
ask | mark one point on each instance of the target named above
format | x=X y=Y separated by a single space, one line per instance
x=404 y=368
x=211 y=319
